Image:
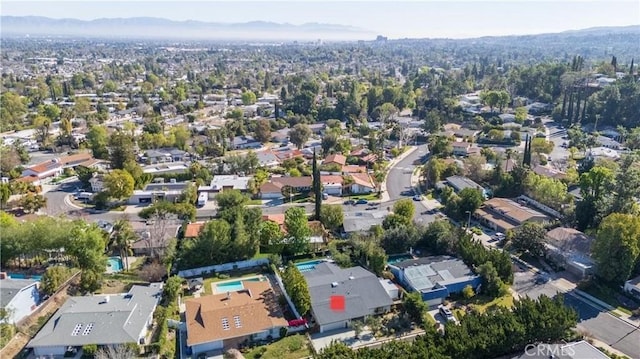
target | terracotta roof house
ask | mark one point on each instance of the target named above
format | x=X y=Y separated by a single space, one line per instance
x=223 y=320
x=503 y=214
x=332 y=184
x=362 y=183
x=337 y=159
x=193 y=229
x=549 y=172
x=46 y=169
x=353 y=169
x=273 y=188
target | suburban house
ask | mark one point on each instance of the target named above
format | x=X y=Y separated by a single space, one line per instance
x=18 y=297
x=273 y=188
x=277 y=218
x=55 y=167
x=632 y=286
x=332 y=184
x=570 y=249
x=363 y=294
x=220 y=183
x=362 y=183
x=335 y=159
x=549 y=172
x=501 y=214
x=458 y=183
x=435 y=278
x=357 y=222
x=245 y=142
x=165 y=155
x=464 y=149
x=110 y=320
x=193 y=229
x=97 y=183
x=607 y=142
x=154 y=240
x=226 y=319
x=267 y=159
x=158 y=192
x=349 y=169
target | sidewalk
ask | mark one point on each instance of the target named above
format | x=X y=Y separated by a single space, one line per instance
x=383 y=186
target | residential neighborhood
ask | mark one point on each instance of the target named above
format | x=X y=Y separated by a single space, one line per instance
x=319 y=200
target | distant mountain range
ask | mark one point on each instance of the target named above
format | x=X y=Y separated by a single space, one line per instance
x=157 y=28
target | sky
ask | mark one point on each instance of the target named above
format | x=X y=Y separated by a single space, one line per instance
x=400 y=19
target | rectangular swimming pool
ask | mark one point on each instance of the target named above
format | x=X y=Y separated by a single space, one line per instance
x=235 y=286
x=308 y=266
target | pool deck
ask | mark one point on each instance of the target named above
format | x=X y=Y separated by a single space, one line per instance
x=214 y=285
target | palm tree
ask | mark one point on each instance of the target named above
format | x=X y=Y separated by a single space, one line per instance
x=122 y=238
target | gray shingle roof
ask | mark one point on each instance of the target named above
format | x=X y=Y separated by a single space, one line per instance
x=10 y=287
x=117 y=321
x=361 y=289
x=425 y=273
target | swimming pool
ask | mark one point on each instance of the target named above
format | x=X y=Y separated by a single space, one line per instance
x=114 y=265
x=398 y=258
x=308 y=266
x=23 y=276
x=235 y=286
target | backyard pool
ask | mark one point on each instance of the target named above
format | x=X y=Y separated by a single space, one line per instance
x=308 y=266
x=398 y=258
x=114 y=265
x=235 y=285
x=23 y=276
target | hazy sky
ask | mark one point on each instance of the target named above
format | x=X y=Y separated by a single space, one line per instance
x=454 y=19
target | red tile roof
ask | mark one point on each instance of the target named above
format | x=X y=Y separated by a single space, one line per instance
x=335 y=158
x=193 y=229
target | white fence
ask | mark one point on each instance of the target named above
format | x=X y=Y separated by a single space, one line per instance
x=286 y=296
x=225 y=267
x=533 y=203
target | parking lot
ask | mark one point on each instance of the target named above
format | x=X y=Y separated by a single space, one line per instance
x=525 y=283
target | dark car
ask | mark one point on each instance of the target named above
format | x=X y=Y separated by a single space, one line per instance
x=542 y=279
x=350 y=202
x=362 y=201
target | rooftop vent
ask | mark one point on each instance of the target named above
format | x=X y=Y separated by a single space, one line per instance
x=334 y=284
x=351 y=277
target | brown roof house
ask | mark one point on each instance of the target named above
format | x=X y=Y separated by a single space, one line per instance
x=273 y=188
x=570 y=249
x=335 y=159
x=502 y=214
x=193 y=229
x=362 y=183
x=223 y=320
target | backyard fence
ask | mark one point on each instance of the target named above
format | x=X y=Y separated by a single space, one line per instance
x=225 y=267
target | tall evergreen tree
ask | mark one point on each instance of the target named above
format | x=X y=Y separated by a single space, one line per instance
x=631 y=68
x=317 y=186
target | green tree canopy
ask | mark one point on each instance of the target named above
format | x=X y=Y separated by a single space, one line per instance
x=617 y=247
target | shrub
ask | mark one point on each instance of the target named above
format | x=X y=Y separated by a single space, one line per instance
x=283 y=332
x=89 y=351
x=467 y=292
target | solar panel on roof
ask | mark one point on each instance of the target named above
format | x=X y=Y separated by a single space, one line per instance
x=446 y=275
x=87 y=329
x=76 y=330
x=225 y=324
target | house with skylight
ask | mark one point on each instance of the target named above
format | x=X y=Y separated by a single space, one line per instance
x=224 y=320
x=103 y=320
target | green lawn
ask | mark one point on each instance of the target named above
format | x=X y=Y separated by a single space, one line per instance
x=254 y=202
x=482 y=303
x=293 y=347
x=605 y=294
x=369 y=197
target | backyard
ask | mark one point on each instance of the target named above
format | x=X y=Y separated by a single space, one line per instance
x=291 y=347
x=481 y=303
x=121 y=282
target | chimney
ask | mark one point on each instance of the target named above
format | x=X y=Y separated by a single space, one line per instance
x=249 y=290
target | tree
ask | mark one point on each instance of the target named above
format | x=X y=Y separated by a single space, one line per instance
x=617 y=247
x=405 y=209
x=82 y=105
x=541 y=145
x=470 y=200
x=299 y=134
x=121 y=149
x=492 y=285
x=229 y=200
x=521 y=114
x=627 y=185
x=122 y=237
x=317 y=186
x=263 y=131
x=173 y=288
x=399 y=239
x=296 y=286
x=357 y=327
x=5 y=194
x=119 y=184
x=415 y=307
x=12 y=111
x=433 y=170
x=31 y=203
x=117 y=352
x=248 y=98
x=152 y=272
x=530 y=238
x=271 y=237
x=180 y=136
x=298 y=231
x=332 y=216
x=54 y=277
x=98 y=139
x=467 y=292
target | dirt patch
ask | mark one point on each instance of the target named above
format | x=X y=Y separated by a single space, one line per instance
x=13 y=348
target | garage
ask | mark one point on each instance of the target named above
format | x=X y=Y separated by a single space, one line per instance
x=333 y=326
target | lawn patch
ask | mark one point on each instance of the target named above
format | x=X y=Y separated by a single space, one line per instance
x=292 y=347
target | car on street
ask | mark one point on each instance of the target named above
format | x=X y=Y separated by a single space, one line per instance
x=362 y=201
x=417 y=198
x=542 y=278
x=350 y=202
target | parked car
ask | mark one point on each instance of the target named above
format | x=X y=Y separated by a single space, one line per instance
x=362 y=201
x=417 y=198
x=325 y=196
x=350 y=202
x=446 y=313
x=542 y=278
